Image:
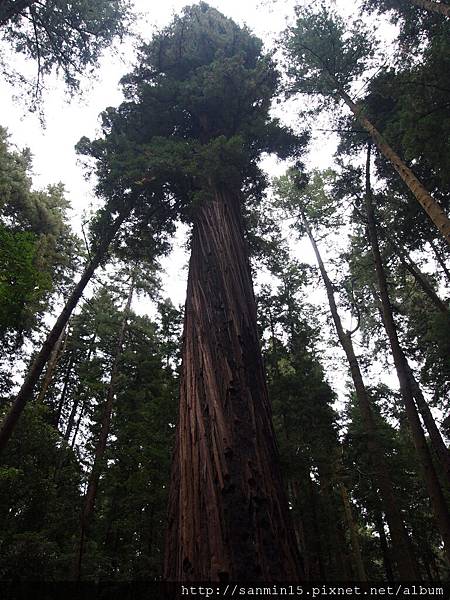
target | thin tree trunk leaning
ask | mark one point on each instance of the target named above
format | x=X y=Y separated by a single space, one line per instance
x=438 y=503
x=77 y=427
x=78 y=392
x=379 y=526
x=57 y=416
x=34 y=372
x=439 y=259
x=437 y=442
x=356 y=549
x=52 y=362
x=402 y=551
x=437 y=7
x=431 y=207
x=228 y=510
x=420 y=278
x=91 y=493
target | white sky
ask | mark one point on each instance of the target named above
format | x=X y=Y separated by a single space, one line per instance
x=53 y=146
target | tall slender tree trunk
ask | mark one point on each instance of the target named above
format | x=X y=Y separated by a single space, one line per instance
x=356 y=549
x=437 y=442
x=430 y=206
x=438 y=503
x=437 y=7
x=299 y=527
x=379 y=526
x=420 y=278
x=228 y=510
x=79 y=391
x=57 y=351
x=316 y=543
x=338 y=563
x=440 y=259
x=402 y=550
x=35 y=370
x=57 y=415
x=77 y=426
x=97 y=467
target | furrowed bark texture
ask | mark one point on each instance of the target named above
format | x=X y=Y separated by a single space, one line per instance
x=427 y=202
x=438 y=7
x=402 y=551
x=228 y=512
x=26 y=391
x=404 y=374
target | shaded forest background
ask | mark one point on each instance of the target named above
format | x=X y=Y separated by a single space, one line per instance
x=87 y=442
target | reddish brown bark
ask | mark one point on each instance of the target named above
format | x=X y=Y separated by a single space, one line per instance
x=228 y=511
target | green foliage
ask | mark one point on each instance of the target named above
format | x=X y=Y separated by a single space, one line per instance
x=38 y=512
x=38 y=252
x=323 y=54
x=404 y=473
x=21 y=284
x=416 y=24
x=46 y=465
x=196 y=116
x=67 y=36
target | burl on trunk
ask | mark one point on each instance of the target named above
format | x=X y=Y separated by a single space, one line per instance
x=228 y=511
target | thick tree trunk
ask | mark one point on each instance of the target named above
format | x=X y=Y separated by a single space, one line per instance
x=431 y=207
x=91 y=493
x=228 y=511
x=402 y=550
x=356 y=549
x=437 y=7
x=35 y=370
x=438 y=503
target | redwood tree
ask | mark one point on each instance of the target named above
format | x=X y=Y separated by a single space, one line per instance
x=196 y=120
x=228 y=513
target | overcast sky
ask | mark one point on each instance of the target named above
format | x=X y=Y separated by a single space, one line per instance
x=65 y=122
